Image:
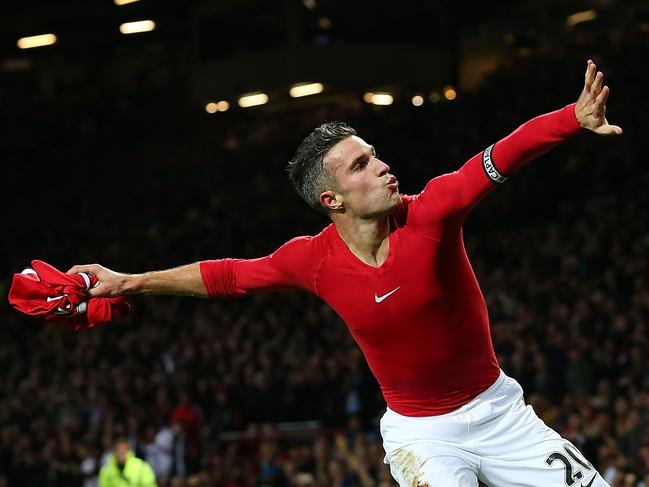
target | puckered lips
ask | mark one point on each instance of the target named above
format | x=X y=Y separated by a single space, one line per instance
x=392 y=183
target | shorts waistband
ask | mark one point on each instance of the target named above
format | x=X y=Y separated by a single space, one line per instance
x=486 y=394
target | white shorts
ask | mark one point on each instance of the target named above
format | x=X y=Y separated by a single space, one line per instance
x=495 y=438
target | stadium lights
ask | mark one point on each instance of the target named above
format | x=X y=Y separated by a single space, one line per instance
x=305 y=89
x=119 y=3
x=382 y=98
x=253 y=99
x=139 y=26
x=36 y=41
x=221 y=106
x=417 y=100
x=450 y=93
x=580 y=17
x=324 y=23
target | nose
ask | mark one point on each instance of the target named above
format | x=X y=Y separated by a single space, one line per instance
x=383 y=168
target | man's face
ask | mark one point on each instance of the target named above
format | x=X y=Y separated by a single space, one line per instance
x=365 y=186
x=121 y=449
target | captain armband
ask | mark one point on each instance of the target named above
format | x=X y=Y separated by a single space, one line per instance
x=489 y=167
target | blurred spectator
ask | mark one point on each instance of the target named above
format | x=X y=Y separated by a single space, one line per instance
x=124 y=469
x=158 y=453
x=89 y=468
x=187 y=421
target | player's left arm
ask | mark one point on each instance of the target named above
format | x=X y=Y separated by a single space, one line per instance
x=459 y=191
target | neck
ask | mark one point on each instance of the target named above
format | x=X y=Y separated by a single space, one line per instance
x=367 y=239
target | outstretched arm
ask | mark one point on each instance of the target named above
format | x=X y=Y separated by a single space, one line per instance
x=184 y=280
x=459 y=191
x=292 y=266
x=542 y=133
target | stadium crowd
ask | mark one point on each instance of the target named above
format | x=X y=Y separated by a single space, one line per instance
x=271 y=390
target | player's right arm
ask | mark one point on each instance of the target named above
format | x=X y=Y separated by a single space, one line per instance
x=292 y=266
x=184 y=280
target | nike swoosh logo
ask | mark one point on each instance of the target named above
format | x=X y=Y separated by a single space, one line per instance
x=589 y=483
x=378 y=299
x=49 y=299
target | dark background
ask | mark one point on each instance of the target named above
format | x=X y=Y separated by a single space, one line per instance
x=109 y=156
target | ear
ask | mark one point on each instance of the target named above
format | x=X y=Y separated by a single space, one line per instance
x=331 y=200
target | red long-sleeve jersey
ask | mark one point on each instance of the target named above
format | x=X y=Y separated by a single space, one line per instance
x=420 y=318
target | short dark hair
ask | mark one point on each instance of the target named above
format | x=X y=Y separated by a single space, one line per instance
x=307 y=169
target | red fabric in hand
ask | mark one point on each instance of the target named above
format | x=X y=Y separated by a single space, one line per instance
x=47 y=293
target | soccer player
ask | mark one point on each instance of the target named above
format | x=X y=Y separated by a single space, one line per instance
x=395 y=269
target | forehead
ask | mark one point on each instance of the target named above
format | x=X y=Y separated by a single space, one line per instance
x=346 y=151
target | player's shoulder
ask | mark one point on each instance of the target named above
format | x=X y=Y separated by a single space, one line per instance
x=307 y=245
x=422 y=203
x=410 y=202
x=435 y=188
x=301 y=256
x=309 y=240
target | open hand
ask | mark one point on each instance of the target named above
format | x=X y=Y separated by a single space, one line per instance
x=591 y=105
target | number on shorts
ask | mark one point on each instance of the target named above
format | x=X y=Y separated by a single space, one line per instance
x=577 y=456
x=574 y=454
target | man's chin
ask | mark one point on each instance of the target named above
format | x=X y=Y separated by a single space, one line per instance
x=395 y=202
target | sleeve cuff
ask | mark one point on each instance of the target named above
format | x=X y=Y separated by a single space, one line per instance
x=569 y=119
x=219 y=278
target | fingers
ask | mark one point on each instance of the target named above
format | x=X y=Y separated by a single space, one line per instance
x=600 y=102
x=593 y=80
x=610 y=130
x=616 y=130
x=96 y=291
x=596 y=87
x=592 y=103
x=107 y=281
x=613 y=129
x=591 y=70
x=92 y=268
x=607 y=129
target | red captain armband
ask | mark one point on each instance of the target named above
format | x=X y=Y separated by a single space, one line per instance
x=219 y=278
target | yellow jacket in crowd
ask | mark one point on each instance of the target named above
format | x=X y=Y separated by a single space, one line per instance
x=135 y=473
